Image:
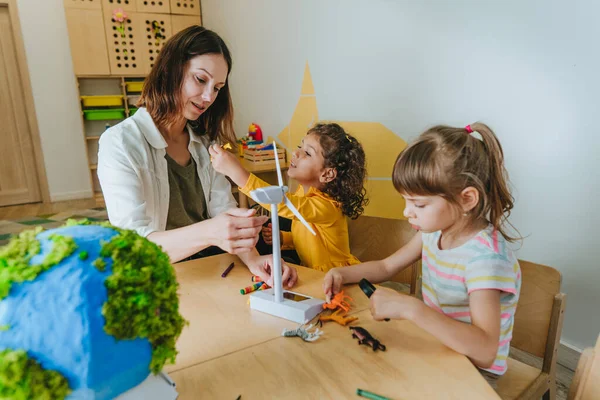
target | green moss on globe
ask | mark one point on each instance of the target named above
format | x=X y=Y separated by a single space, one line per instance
x=142 y=301
x=142 y=293
x=16 y=255
x=100 y=264
x=22 y=378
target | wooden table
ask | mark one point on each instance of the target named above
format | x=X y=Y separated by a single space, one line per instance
x=229 y=349
x=265 y=172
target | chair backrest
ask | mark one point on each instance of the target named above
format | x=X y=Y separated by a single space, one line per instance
x=590 y=384
x=540 y=311
x=581 y=374
x=374 y=238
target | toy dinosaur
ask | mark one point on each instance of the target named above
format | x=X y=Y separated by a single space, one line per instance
x=303 y=333
x=364 y=337
x=338 y=317
x=339 y=301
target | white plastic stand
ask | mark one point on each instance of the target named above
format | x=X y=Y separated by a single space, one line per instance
x=294 y=306
x=276 y=301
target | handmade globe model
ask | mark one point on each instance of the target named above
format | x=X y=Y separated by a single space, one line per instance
x=86 y=312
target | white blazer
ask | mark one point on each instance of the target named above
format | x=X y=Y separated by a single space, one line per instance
x=133 y=174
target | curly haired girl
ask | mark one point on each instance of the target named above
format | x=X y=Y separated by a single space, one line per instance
x=329 y=166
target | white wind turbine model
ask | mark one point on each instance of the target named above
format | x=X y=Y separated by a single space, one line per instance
x=275 y=301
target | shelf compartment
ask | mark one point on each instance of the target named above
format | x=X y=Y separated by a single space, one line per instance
x=132 y=100
x=102 y=101
x=134 y=86
x=107 y=114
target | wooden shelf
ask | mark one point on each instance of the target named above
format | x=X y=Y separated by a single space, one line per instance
x=100 y=85
x=104 y=62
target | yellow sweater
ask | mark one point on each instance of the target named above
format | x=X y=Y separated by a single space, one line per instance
x=330 y=247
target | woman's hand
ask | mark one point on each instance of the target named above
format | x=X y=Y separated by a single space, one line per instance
x=267 y=233
x=236 y=230
x=228 y=164
x=263 y=267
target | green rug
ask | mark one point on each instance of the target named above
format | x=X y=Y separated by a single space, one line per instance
x=47 y=221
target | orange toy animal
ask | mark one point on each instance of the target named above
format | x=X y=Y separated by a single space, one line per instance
x=339 y=301
x=337 y=317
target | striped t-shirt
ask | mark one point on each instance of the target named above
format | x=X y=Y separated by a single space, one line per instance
x=484 y=262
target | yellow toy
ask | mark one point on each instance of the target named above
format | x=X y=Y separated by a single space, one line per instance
x=255 y=132
x=226 y=146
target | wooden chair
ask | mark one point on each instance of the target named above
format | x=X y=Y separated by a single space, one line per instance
x=586 y=382
x=374 y=238
x=537 y=330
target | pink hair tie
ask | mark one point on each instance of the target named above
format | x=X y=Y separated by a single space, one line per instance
x=469 y=129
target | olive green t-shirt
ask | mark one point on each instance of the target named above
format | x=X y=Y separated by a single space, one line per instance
x=187 y=204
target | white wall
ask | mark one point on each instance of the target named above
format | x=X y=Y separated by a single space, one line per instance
x=55 y=97
x=528 y=69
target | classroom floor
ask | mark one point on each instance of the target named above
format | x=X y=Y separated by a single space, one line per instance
x=47 y=221
x=15 y=219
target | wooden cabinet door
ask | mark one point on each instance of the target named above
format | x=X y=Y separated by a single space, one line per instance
x=124 y=48
x=88 y=41
x=18 y=176
x=85 y=4
x=153 y=6
x=126 y=5
x=153 y=40
x=180 y=22
x=186 y=7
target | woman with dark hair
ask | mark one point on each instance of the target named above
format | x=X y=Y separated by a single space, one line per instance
x=155 y=169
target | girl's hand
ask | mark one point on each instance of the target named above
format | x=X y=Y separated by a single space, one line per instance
x=332 y=284
x=387 y=303
x=236 y=230
x=228 y=164
x=262 y=266
x=267 y=233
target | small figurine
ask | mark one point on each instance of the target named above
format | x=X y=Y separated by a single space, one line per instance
x=303 y=333
x=339 y=301
x=255 y=132
x=364 y=337
x=338 y=317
